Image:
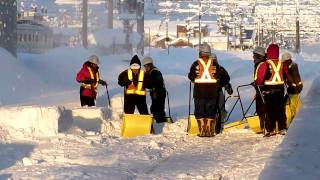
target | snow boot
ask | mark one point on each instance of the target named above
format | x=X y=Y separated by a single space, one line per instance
x=202 y=124
x=211 y=127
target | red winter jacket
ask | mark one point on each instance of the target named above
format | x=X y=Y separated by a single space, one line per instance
x=89 y=90
x=265 y=71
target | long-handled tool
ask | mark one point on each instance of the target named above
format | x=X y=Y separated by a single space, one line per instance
x=169 y=119
x=108 y=96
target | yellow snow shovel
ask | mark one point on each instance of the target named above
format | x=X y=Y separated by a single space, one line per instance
x=136 y=125
x=193 y=128
x=244 y=122
x=292 y=107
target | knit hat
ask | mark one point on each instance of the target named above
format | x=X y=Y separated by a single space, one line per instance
x=286 y=56
x=94 y=59
x=273 y=51
x=205 y=49
x=147 y=60
x=259 y=50
x=135 y=62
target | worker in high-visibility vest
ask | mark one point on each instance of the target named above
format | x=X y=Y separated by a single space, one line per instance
x=208 y=78
x=259 y=57
x=89 y=78
x=134 y=81
x=272 y=74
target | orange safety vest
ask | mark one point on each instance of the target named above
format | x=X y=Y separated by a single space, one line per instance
x=95 y=85
x=131 y=89
x=277 y=72
x=206 y=72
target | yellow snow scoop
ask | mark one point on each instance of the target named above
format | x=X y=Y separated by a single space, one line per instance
x=193 y=128
x=243 y=123
x=236 y=124
x=254 y=123
x=293 y=105
x=136 y=125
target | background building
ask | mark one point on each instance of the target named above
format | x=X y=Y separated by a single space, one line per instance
x=8 y=24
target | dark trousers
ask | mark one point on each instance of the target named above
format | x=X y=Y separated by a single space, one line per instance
x=158 y=104
x=205 y=107
x=131 y=101
x=275 y=110
x=86 y=101
x=260 y=109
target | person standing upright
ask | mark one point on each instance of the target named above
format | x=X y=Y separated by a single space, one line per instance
x=295 y=84
x=89 y=78
x=207 y=77
x=272 y=74
x=158 y=90
x=134 y=82
x=259 y=57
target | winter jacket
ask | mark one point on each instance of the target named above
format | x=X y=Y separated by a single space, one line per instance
x=156 y=83
x=208 y=90
x=89 y=77
x=294 y=80
x=123 y=81
x=271 y=73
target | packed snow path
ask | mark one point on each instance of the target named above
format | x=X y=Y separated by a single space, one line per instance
x=237 y=154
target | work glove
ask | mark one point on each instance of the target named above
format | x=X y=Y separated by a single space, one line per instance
x=102 y=82
x=88 y=81
x=228 y=88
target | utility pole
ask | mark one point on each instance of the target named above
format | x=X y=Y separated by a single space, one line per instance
x=297 y=29
x=199 y=24
x=140 y=24
x=110 y=14
x=85 y=23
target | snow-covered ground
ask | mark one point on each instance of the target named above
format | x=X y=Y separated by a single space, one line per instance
x=46 y=135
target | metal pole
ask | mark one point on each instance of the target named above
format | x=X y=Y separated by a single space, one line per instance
x=85 y=23
x=149 y=42
x=199 y=24
x=140 y=24
x=110 y=14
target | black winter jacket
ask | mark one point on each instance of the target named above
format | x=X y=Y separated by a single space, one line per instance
x=209 y=90
x=124 y=81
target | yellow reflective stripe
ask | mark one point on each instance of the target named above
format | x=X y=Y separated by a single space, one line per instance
x=255 y=76
x=140 y=84
x=137 y=90
x=276 y=79
x=205 y=76
x=92 y=77
x=294 y=84
x=130 y=74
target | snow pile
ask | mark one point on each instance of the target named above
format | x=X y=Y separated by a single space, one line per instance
x=17 y=83
x=90 y=119
x=30 y=121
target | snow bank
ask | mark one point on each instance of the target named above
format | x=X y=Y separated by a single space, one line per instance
x=37 y=121
x=29 y=120
x=17 y=82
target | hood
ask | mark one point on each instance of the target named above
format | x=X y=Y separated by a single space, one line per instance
x=273 y=51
